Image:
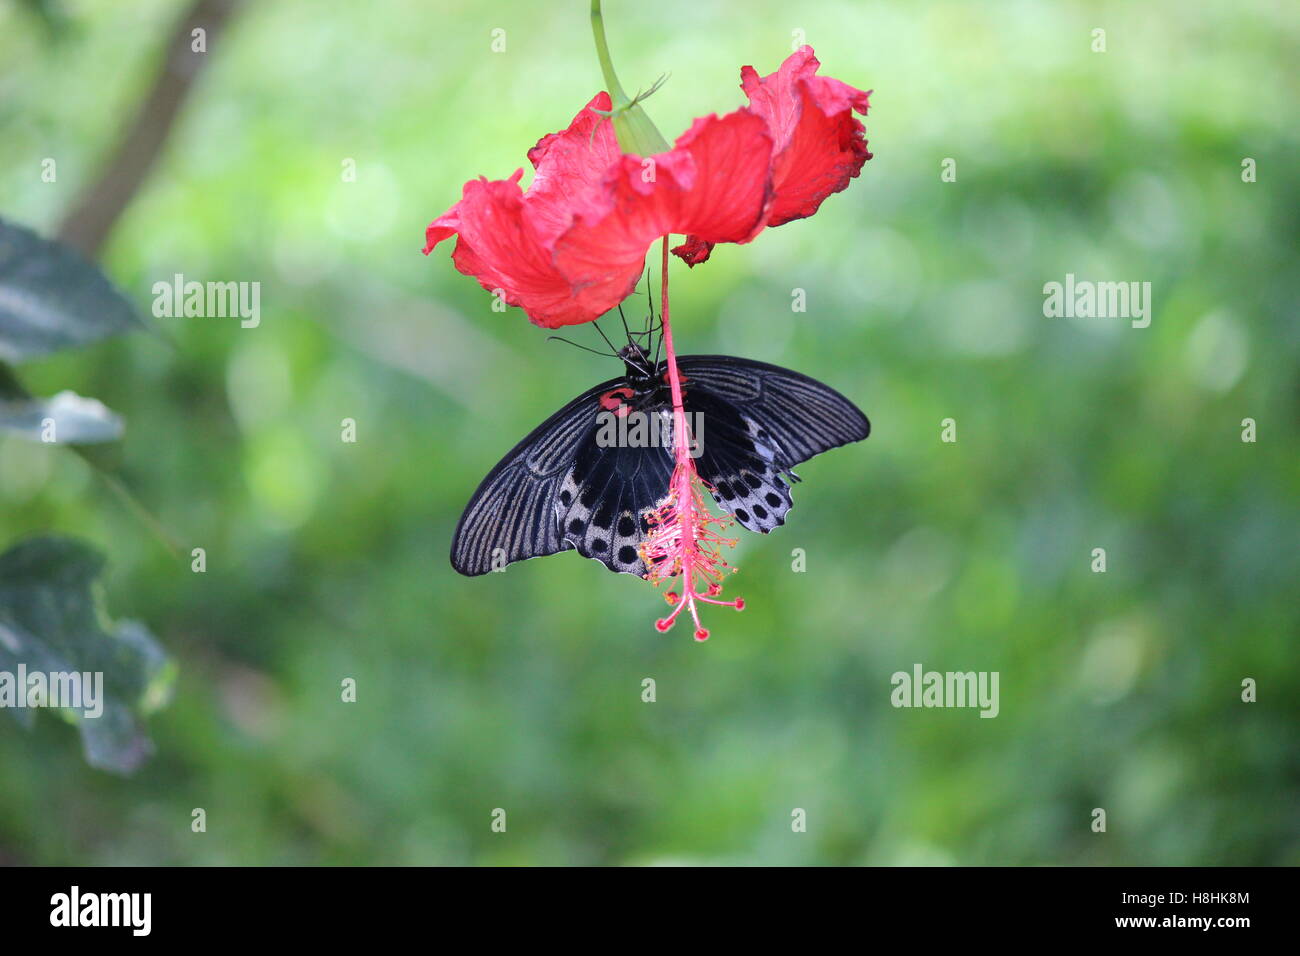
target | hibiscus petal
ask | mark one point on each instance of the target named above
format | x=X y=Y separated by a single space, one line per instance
x=693 y=251
x=573 y=246
x=498 y=244
x=820 y=144
x=570 y=164
x=505 y=237
x=714 y=184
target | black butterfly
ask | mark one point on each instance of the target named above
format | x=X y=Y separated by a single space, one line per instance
x=561 y=488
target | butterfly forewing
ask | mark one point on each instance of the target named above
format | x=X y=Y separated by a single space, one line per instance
x=559 y=489
x=512 y=514
x=801 y=416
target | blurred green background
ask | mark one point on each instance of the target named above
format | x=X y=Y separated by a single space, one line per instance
x=523 y=690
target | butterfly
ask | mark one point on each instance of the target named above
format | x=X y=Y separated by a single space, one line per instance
x=563 y=487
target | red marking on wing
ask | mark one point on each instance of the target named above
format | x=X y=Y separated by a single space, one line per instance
x=613 y=401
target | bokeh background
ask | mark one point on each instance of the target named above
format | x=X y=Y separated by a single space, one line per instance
x=522 y=690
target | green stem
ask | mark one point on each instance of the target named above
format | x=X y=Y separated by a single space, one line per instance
x=615 y=89
x=632 y=126
x=136 y=507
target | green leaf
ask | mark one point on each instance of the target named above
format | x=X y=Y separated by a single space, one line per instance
x=67 y=419
x=51 y=298
x=51 y=622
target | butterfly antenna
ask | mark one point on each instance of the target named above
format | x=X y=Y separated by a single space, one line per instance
x=577 y=346
x=646 y=336
x=606 y=338
x=649 y=293
x=626 y=330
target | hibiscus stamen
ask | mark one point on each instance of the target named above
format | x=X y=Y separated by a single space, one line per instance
x=684 y=538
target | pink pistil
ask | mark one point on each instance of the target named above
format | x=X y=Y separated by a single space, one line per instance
x=684 y=537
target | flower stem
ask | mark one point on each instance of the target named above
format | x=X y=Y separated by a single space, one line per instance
x=633 y=128
x=602 y=53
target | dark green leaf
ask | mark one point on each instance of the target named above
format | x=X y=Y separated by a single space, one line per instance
x=51 y=298
x=52 y=622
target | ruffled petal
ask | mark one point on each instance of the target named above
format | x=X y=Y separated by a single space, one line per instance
x=694 y=250
x=506 y=238
x=820 y=144
x=498 y=244
x=714 y=184
x=570 y=164
x=573 y=246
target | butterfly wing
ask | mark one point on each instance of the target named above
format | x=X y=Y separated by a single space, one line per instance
x=605 y=496
x=760 y=421
x=511 y=516
x=559 y=489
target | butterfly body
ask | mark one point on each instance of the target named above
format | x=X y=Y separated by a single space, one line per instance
x=563 y=487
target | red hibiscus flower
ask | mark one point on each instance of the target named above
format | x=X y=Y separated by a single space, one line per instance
x=572 y=246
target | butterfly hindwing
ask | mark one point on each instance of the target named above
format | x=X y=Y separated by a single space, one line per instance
x=738 y=465
x=760 y=421
x=604 y=498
